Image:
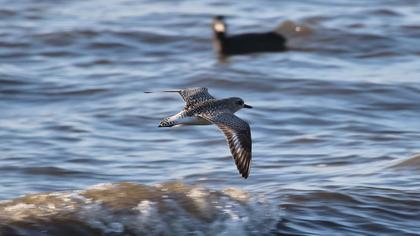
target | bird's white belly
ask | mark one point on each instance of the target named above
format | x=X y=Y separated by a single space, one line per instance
x=192 y=120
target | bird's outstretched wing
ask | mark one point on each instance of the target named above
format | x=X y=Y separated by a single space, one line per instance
x=238 y=136
x=192 y=96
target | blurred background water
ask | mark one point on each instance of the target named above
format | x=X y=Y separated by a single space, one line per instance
x=335 y=122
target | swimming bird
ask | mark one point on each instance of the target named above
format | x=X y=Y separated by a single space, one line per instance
x=245 y=43
x=201 y=108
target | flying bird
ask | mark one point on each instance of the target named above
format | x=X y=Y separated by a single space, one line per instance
x=201 y=108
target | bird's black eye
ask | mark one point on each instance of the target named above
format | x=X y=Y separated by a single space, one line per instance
x=240 y=103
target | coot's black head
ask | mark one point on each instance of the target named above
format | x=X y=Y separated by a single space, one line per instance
x=219 y=26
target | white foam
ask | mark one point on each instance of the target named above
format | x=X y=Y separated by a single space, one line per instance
x=19 y=207
x=146 y=208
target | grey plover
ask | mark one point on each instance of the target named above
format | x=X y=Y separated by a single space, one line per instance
x=203 y=109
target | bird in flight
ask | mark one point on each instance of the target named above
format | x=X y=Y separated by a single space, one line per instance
x=201 y=108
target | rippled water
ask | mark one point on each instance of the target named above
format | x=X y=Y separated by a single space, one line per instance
x=335 y=121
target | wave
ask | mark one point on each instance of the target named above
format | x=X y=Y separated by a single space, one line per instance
x=135 y=209
x=410 y=163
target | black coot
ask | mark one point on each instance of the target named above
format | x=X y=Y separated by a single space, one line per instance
x=245 y=43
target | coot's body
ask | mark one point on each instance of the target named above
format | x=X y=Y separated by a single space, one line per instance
x=245 y=43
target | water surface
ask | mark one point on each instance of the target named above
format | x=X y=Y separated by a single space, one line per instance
x=335 y=123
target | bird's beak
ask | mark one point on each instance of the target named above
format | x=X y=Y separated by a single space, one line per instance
x=247 y=106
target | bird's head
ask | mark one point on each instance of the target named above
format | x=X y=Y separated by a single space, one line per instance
x=235 y=104
x=219 y=26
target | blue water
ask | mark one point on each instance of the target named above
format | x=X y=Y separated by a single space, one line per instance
x=335 y=123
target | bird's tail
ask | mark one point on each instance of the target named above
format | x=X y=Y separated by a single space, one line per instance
x=168 y=122
x=172 y=120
